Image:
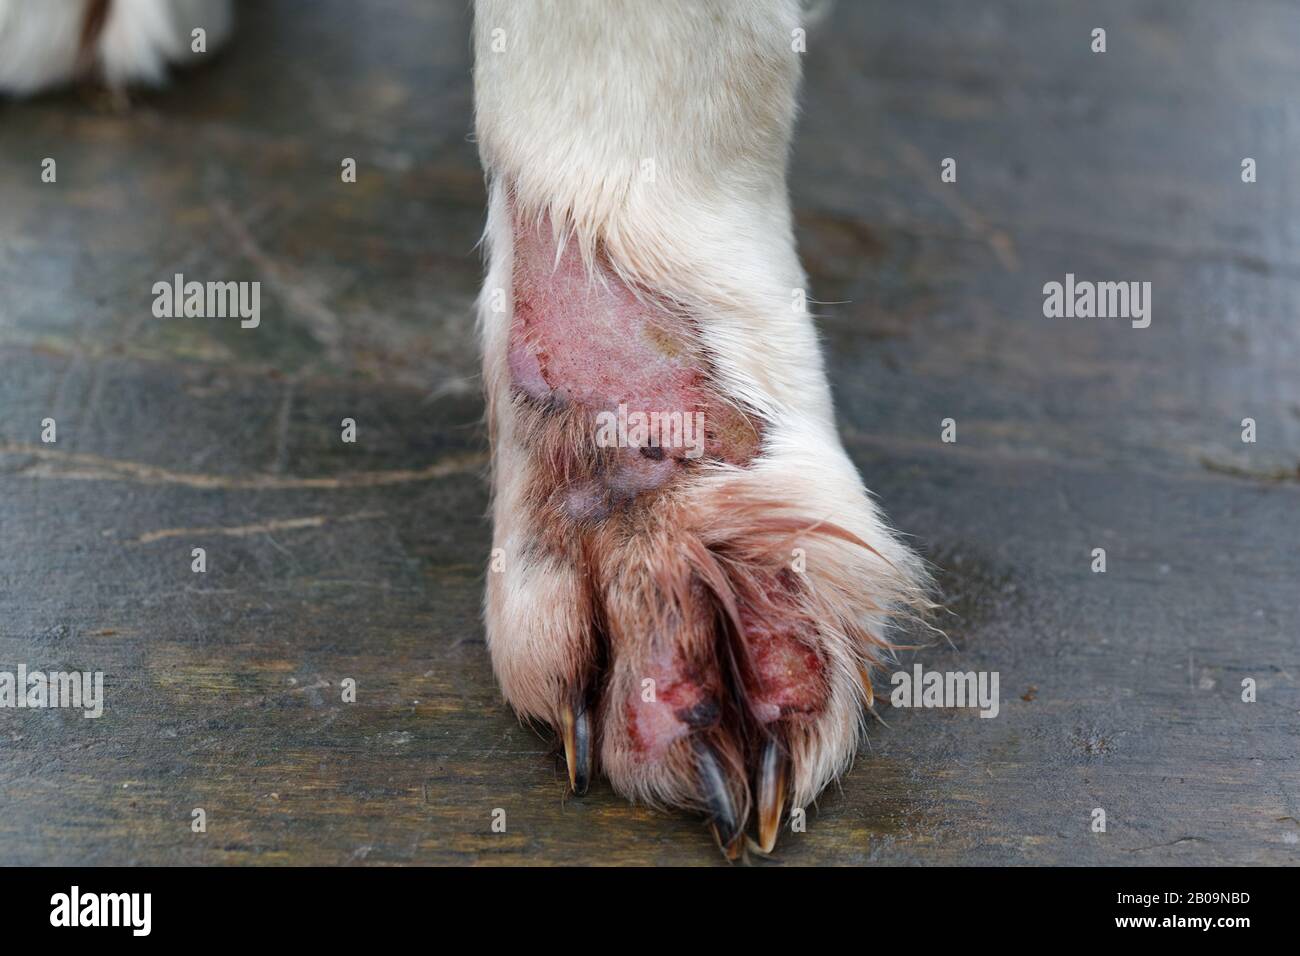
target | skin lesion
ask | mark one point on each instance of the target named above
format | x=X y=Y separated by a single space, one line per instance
x=668 y=343
x=584 y=348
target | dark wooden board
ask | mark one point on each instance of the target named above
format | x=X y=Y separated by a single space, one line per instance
x=330 y=561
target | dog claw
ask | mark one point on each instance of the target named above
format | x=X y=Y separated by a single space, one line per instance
x=868 y=691
x=577 y=746
x=727 y=829
x=772 y=771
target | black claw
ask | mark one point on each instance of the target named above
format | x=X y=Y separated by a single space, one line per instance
x=727 y=829
x=576 y=731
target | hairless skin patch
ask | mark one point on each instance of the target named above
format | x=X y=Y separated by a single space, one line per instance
x=585 y=343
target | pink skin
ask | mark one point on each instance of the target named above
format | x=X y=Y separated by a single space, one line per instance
x=624 y=350
x=586 y=340
x=788 y=674
x=786 y=681
x=680 y=705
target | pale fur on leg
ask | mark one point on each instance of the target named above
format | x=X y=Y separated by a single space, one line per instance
x=42 y=41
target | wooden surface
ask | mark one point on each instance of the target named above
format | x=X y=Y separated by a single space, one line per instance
x=330 y=561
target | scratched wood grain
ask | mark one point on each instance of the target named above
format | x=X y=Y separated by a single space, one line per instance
x=330 y=561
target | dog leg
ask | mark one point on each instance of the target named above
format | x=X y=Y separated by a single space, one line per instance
x=695 y=618
x=48 y=43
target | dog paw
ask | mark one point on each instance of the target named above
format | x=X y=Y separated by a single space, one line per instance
x=45 y=44
x=692 y=586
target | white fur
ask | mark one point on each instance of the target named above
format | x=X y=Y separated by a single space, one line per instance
x=588 y=90
x=40 y=39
